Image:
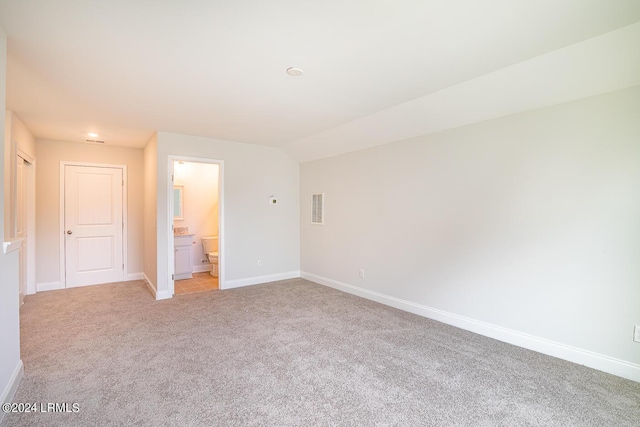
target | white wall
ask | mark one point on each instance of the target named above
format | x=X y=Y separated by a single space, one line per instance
x=10 y=363
x=528 y=222
x=595 y=66
x=150 y=215
x=49 y=155
x=21 y=136
x=200 y=194
x=253 y=229
x=18 y=140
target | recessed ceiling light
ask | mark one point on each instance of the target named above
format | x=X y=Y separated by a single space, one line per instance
x=294 y=71
x=93 y=135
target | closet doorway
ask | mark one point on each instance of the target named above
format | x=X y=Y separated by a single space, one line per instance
x=93 y=223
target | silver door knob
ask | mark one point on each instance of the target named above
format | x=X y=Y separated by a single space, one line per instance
x=69 y=232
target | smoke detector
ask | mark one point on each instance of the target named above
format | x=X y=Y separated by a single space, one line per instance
x=294 y=71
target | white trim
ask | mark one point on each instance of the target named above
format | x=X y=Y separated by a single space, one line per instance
x=221 y=251
x=202 y=268
x=26 y=156
x=61 y=250
x=150 y=284
x=152 y=287
x=125 y=221
x=31 y=228
x=171 y=262
x=125 y=230
x=134 y=276
x=48 y=286
x=163 y=295
x=11 y=245
x=30 y=256
x=9 y=391
x=572 y=354
x=256 y=280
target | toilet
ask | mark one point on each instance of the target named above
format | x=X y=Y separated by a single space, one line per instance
x=210 y=248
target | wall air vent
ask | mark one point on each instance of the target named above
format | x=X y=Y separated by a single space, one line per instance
x=317 y=208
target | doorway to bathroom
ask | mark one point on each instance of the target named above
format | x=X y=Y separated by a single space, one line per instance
x=196 y=218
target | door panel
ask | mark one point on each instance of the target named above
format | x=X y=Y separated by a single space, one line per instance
x=95 y=201
x=88 y=246
x=93 y=225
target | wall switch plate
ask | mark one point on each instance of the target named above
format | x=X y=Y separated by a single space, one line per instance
x=361 y=274
x=636 y=333
x=259 y=263
x=273 y=200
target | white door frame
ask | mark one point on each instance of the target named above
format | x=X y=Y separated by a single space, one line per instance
x=30 y=203
x=221 y=251
x=61 y=231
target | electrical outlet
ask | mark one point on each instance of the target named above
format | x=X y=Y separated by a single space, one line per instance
x=259 y=263
x=636 y=333
x=362 y=273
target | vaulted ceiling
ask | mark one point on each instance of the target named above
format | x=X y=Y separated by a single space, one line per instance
x=374 y=71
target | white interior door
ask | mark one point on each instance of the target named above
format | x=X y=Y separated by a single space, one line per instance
x=93 y=220
x=21 y=223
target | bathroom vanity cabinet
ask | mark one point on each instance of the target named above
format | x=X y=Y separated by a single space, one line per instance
x=183 y=256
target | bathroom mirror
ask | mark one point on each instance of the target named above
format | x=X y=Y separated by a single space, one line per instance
x=178 y=202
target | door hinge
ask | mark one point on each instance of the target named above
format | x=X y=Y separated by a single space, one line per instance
x=123 y=266
x=171 y=178
x=172 y=277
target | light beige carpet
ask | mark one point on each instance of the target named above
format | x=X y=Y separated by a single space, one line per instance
x=290 y=353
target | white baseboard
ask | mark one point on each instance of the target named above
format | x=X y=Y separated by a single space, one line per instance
x=10 y=390
x=201 y=268
x=150 y=285
x=52 y=286
x=48 y=286
x=163 y=295
x=238 y=283
x=593 y=360
x=135 y=276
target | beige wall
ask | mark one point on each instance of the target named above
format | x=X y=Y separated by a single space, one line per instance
x=200 y=183
x=528 y=223
x=21 y=136
x=150 y=205
x=49 y=155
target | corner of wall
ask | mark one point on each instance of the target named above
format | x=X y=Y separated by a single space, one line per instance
x=150 y=215
x=12 y=387
x=10 y=363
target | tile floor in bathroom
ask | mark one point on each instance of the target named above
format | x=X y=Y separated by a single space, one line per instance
x=201 y=282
